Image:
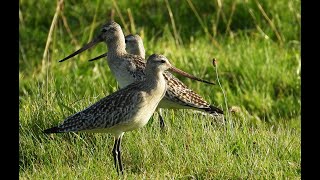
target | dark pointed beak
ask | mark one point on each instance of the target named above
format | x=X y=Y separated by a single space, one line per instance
x=99 y=57
x=85 y=47
x=178 y=71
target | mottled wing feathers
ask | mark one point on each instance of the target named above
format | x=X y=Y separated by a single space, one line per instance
x=107 y=112
x=186 y=97
x=177 y=91
x=172 y=81
x=136 y=67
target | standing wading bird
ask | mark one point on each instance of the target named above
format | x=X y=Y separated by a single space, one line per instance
x=134 y=45
x=125 y=110
x=128 y=68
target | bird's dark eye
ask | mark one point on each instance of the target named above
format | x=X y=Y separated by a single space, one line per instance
x=162 y=61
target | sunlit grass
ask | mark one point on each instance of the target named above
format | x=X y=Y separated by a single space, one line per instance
x=259 y=74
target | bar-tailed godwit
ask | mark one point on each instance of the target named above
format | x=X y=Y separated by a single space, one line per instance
x=128 y=68
x=134 y=45
x=125 y=110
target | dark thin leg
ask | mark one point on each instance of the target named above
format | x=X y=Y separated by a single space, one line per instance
x=115 y=153
x=162 y=124
x=119 y=154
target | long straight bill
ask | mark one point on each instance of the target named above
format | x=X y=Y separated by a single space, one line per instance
x=99 y=57
x=178 y=71
x=85 y=47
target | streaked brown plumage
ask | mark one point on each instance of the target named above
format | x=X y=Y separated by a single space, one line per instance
x=128 y=68
x=125 y=110
x=177 y=92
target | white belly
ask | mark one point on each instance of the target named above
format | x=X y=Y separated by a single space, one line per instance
x=123 y=78
x=122 y=74
x=169 y=104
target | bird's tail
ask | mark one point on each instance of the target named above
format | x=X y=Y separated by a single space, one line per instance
x=52 y=130
x=214 y=110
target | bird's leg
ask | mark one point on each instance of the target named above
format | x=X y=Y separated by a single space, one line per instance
x=115 y=153
x=162 y=124
x=119 y=154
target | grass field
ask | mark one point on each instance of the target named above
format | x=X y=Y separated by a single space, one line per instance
x=256 y=44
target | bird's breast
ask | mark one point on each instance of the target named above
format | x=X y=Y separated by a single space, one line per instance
x=124 y=72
